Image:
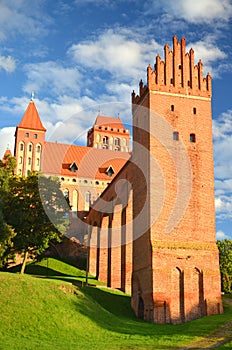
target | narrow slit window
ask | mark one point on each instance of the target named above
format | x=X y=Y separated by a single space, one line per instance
x=194 y=110
x=172 y=108
x=192 y=138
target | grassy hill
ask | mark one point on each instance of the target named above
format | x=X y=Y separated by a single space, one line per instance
x=45 y=310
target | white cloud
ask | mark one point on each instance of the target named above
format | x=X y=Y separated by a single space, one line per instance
x=52 y=78
x=22 y=17
x=7 y=140
x=7 y=63
x=199 y=11
x=117 y=52
x=221 y=235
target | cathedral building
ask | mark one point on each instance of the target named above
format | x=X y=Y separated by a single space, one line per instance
x=84 y=172
x=149 y=214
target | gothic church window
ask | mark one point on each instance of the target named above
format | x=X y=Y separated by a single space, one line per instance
x=38 y=149
x=21 y=147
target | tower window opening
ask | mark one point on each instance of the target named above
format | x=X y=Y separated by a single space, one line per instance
x=38 y=149
x=105 y=140
x=172 y=108
x=35 y=136
x=188 y=82
x=27 y=134
x=20 y=160
x=171 y=81
x=29 y=161
x=194 y=110
x=117 y=142
x=21 y=146
x=176 y=136
x=30 y=148
x=179 y=66
x=192 y=138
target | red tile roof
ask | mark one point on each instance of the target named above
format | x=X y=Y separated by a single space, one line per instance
x=31 y=119
x=109 y=121
x=91 y=162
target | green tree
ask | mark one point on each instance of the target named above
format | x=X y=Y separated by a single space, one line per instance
x=35 y=209
x=225 y=261
x=6 y=244
x=7 y=166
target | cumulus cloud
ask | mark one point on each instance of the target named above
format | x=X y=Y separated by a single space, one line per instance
x=7 y=63
x=52 y=78
x=115 y=52
x=16 y=18
x=198 y=12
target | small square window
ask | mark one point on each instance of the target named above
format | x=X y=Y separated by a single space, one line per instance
x=27 y=134
x=35 y=136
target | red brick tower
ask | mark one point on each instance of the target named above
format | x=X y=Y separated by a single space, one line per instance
x=29 y=141
x=176 y=274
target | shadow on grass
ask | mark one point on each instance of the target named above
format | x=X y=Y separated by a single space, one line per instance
x=114 y=313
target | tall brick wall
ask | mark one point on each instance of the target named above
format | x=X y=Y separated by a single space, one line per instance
x=171 y=256
x=185 y=269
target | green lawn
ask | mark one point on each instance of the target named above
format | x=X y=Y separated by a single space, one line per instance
x=51 y=313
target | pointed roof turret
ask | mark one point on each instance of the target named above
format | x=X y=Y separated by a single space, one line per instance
x=31 y=119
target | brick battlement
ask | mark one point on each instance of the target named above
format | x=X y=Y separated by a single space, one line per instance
x=177 y=74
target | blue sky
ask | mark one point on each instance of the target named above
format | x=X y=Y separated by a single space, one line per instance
x=88 y=55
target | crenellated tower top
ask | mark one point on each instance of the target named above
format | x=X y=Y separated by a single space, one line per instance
x=177 y=73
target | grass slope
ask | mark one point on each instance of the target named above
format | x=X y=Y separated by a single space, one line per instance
x=51 y=313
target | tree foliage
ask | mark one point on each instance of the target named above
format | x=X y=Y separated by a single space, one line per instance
x=7 y=165
x=225 y=261
x=35 y=209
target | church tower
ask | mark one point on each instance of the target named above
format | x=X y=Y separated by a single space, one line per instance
x=109 y=133
x=176 y=275
x=29 y=141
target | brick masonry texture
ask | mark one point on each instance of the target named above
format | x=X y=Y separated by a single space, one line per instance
x=173 y=276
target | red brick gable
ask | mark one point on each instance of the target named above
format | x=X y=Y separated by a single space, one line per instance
x=31 y=119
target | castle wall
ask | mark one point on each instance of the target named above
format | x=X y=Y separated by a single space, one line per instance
x=173 y=120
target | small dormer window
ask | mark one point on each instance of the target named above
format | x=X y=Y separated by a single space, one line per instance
x=73 y=167
x=110 y=171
